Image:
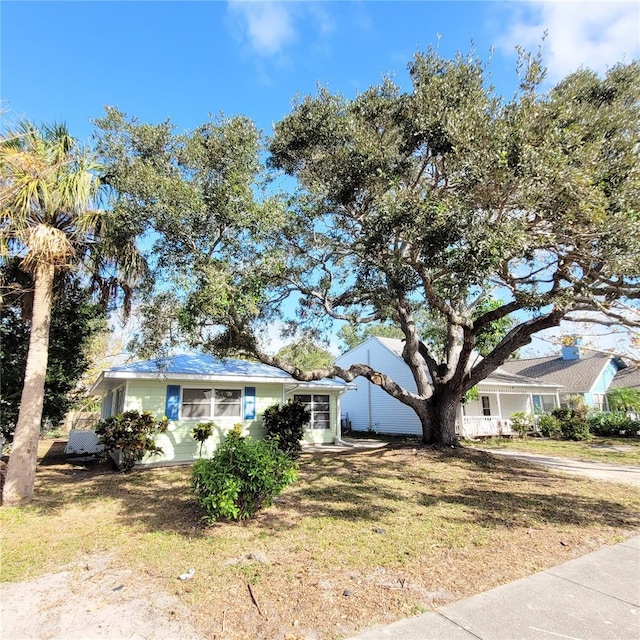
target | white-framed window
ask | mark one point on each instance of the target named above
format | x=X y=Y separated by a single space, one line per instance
x=544 y=403
x=319 y=406
x=486 y=405
x=118 y=401
x=211 y=403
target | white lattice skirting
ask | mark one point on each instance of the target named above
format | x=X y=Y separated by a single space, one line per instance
x=83 y=442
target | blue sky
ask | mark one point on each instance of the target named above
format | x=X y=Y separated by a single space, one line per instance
x=185 y=60
x=63 y=61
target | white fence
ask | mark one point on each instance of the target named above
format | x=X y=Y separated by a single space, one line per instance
x=485 y=426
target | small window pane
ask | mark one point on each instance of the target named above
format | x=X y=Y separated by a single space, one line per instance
x=196 y=403
x=321 y=421
x=228 y=403
x=228 y=395
x=223 y=410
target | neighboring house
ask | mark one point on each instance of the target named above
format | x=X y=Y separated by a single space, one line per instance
x=197 y=388
x=588 y=374
x=369 y=408
x=627 y=377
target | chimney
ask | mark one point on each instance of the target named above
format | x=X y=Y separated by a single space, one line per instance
x=571 y=347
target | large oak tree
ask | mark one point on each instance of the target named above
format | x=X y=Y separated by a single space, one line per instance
x=435 y=202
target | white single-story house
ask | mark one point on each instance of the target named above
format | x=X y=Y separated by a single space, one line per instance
x=369 y=408
x=189 y=389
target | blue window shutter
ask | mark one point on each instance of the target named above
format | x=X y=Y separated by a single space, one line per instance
x=172 y=407
x=249 y=403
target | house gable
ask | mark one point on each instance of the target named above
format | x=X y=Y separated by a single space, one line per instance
x=369 y=408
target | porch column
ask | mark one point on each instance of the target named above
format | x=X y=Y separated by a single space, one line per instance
x=499 y=405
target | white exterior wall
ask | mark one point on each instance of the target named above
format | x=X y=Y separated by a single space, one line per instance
x=371 y=407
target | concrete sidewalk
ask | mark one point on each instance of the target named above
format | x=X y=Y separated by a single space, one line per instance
x=595 y=597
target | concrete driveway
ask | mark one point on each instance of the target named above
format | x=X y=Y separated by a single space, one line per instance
x=625 y=474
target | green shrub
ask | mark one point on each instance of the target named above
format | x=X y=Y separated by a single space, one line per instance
x=129 y=436
x=241 y=477
x=285 y=426
x=549 y=426
x=615 y=424
x=573 y=423
x=521 y=423
x=202 y=432
x=624 y=399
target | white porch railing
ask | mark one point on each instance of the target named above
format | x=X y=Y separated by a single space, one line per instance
x=484 y=426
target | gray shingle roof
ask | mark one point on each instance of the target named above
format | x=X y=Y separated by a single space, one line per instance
x=627 y=377
x=575 y=376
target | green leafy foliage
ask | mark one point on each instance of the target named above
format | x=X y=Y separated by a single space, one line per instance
x=522 y=423
x=573 y=423
x=470 y=395
x=613 y=424
x=549 y=425
x=75 y=320
x=242 y=476
x=624 y=399
x=285 y=425
x=306 y=355
x=195 y=192
x=130 y=436
x=413 y=203
x=202 y=432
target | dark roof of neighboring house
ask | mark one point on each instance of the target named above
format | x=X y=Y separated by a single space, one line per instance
x=627 y=377
x=575 y=376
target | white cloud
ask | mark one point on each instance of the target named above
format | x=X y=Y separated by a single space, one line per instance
x=595 y=35
x=267 y=26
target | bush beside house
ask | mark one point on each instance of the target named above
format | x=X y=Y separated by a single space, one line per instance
x=130 y=436
x=242 y=476
x=285 y=426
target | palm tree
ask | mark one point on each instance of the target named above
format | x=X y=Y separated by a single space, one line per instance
x=49 y=190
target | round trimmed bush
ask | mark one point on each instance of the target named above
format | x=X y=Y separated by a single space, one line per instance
x=242 y=476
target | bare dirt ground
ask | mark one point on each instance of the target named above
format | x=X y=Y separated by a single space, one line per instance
x=91 y=600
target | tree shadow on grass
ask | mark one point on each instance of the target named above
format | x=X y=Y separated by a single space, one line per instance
x=494 y=509
x=157 y=498
x=364 y=486
x=514 y=493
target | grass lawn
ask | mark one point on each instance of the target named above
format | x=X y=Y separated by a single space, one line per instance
x=362 y=538
x=612 y=450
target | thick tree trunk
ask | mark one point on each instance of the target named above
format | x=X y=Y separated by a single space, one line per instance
x=439 y=420
x=21 y=470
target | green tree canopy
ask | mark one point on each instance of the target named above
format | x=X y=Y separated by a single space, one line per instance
x=436 y=201
x=305 y=355
x=193 y=195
